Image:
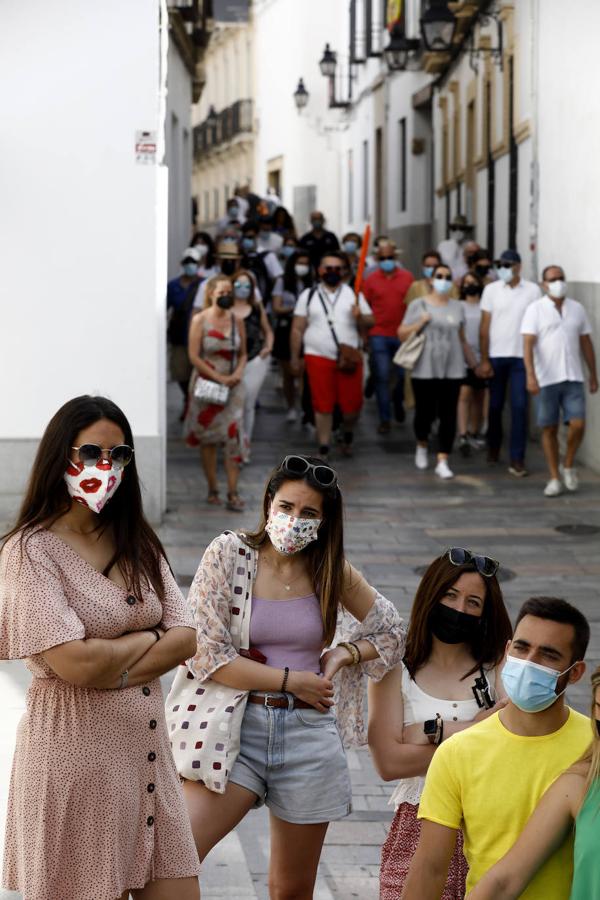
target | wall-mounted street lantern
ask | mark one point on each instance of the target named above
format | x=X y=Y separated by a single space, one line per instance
x=301 y=95
x=438 y=27
x=328 y=62
x=396 y=52
x=212 y=119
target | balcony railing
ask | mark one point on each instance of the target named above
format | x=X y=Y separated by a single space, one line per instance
x=231 y=121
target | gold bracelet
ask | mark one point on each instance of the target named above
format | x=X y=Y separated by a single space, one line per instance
x=352 y=650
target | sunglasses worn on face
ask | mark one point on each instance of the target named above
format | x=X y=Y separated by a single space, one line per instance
x=332 y=268
x=484 y=564
x=91 y=454
x=444 y=277
x=298 y=467
x=381 y=258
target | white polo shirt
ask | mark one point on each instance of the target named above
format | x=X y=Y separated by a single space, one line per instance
x=318 y=340
x=557 y=350
x=507 y=307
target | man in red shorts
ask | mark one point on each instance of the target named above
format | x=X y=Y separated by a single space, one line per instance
x=326 y=316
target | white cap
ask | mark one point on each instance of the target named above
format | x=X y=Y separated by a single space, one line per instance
x=191 y=253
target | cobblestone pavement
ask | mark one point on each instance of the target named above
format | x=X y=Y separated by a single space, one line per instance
x=397 y=520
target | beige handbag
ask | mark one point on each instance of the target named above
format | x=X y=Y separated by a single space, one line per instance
x=204 y=718
x=408 y=353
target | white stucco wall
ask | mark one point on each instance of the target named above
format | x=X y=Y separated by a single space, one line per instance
x=83 y=226
x=289 y=41
x=178 y=138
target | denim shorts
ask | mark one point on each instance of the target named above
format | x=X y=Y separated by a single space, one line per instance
x=293 y=760
x=566 y=395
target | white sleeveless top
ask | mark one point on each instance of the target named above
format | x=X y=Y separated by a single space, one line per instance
x=419 y=707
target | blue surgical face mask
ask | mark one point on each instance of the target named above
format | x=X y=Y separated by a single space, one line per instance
x=505 y=273
x=531 y=687
x=387 y=265
x=442 y=286
x=248 y=243
x=242 y=290
x=190 y=269
x=287 y=250
x=427 y=271
x=350 y=246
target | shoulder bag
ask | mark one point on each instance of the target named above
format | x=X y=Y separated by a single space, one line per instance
x=208 y=391
x=409 y=352
x=204 y=718
x=349 y=358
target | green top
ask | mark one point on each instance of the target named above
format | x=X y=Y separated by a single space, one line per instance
x=586 y=859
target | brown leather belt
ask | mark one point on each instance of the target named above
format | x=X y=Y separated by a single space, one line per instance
x=278 y=702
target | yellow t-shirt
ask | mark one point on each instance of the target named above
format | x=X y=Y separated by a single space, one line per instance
x=487 y=781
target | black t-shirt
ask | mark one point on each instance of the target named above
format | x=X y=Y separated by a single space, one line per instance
x=317 y=245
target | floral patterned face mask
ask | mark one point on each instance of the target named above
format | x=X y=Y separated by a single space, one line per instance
x=92 y=486
x=290 y=534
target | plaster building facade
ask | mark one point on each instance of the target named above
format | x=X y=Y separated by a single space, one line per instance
x=84 y=166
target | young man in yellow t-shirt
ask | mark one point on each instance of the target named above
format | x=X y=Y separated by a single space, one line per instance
x=488 y=779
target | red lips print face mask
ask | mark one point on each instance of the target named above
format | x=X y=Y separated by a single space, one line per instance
x=92 y=486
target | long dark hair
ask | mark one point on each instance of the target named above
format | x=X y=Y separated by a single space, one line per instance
x=325 y=556
x=489 y=646
x=138 y=551
x=290 y=279
x=476 y=279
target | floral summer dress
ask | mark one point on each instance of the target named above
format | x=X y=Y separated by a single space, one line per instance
x=211 y=423
x=95 y=803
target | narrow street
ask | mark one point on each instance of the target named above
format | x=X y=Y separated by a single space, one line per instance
x=397 y=520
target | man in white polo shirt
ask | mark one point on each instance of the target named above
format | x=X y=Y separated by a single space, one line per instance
x=503 y=304
x=556 y=334
x=327 y=316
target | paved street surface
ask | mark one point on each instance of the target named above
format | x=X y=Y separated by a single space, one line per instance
x=398 y=519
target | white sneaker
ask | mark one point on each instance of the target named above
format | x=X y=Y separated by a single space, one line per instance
x=291 y=416
x=553 y=488
x=421 y=458
x=571 y=480
x=443 y=470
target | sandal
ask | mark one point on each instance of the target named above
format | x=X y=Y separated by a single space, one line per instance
x=214 y=499
x=235 y=503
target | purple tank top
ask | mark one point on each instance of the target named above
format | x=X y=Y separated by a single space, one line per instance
x=288 y=632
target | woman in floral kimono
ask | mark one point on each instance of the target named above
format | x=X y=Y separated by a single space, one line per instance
x=314 y=627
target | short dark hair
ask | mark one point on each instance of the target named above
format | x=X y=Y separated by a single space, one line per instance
x=557 y=610
x=429 y=253
x=552 y=266
x=336 y=254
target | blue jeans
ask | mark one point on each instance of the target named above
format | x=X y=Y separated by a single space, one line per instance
x=508 y=369
x=383 y=349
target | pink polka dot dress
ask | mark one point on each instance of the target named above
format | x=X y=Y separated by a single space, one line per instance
x=95 y=803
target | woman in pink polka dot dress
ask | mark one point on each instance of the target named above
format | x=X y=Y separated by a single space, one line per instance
x=88 y=600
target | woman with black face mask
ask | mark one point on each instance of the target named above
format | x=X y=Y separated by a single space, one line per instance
x=217 y=350
x=447 y=681
x=473 y=396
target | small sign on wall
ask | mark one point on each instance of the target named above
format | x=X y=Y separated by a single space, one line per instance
x=145 y=147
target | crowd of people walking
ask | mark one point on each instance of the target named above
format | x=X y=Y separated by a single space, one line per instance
x=115 y=792
x=344 y=321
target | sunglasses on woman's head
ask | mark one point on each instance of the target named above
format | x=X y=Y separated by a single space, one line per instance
x=299 y=467
x=485 y=565
x=91 y=454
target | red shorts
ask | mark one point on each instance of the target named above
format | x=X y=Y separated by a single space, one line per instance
x=329 y=386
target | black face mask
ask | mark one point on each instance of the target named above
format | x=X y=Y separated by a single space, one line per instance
x=472 y=290
x=471 y=260
x=225 y=301
x=332 y=278
x=228 y=266
x=482 y=271
x=451 y=626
